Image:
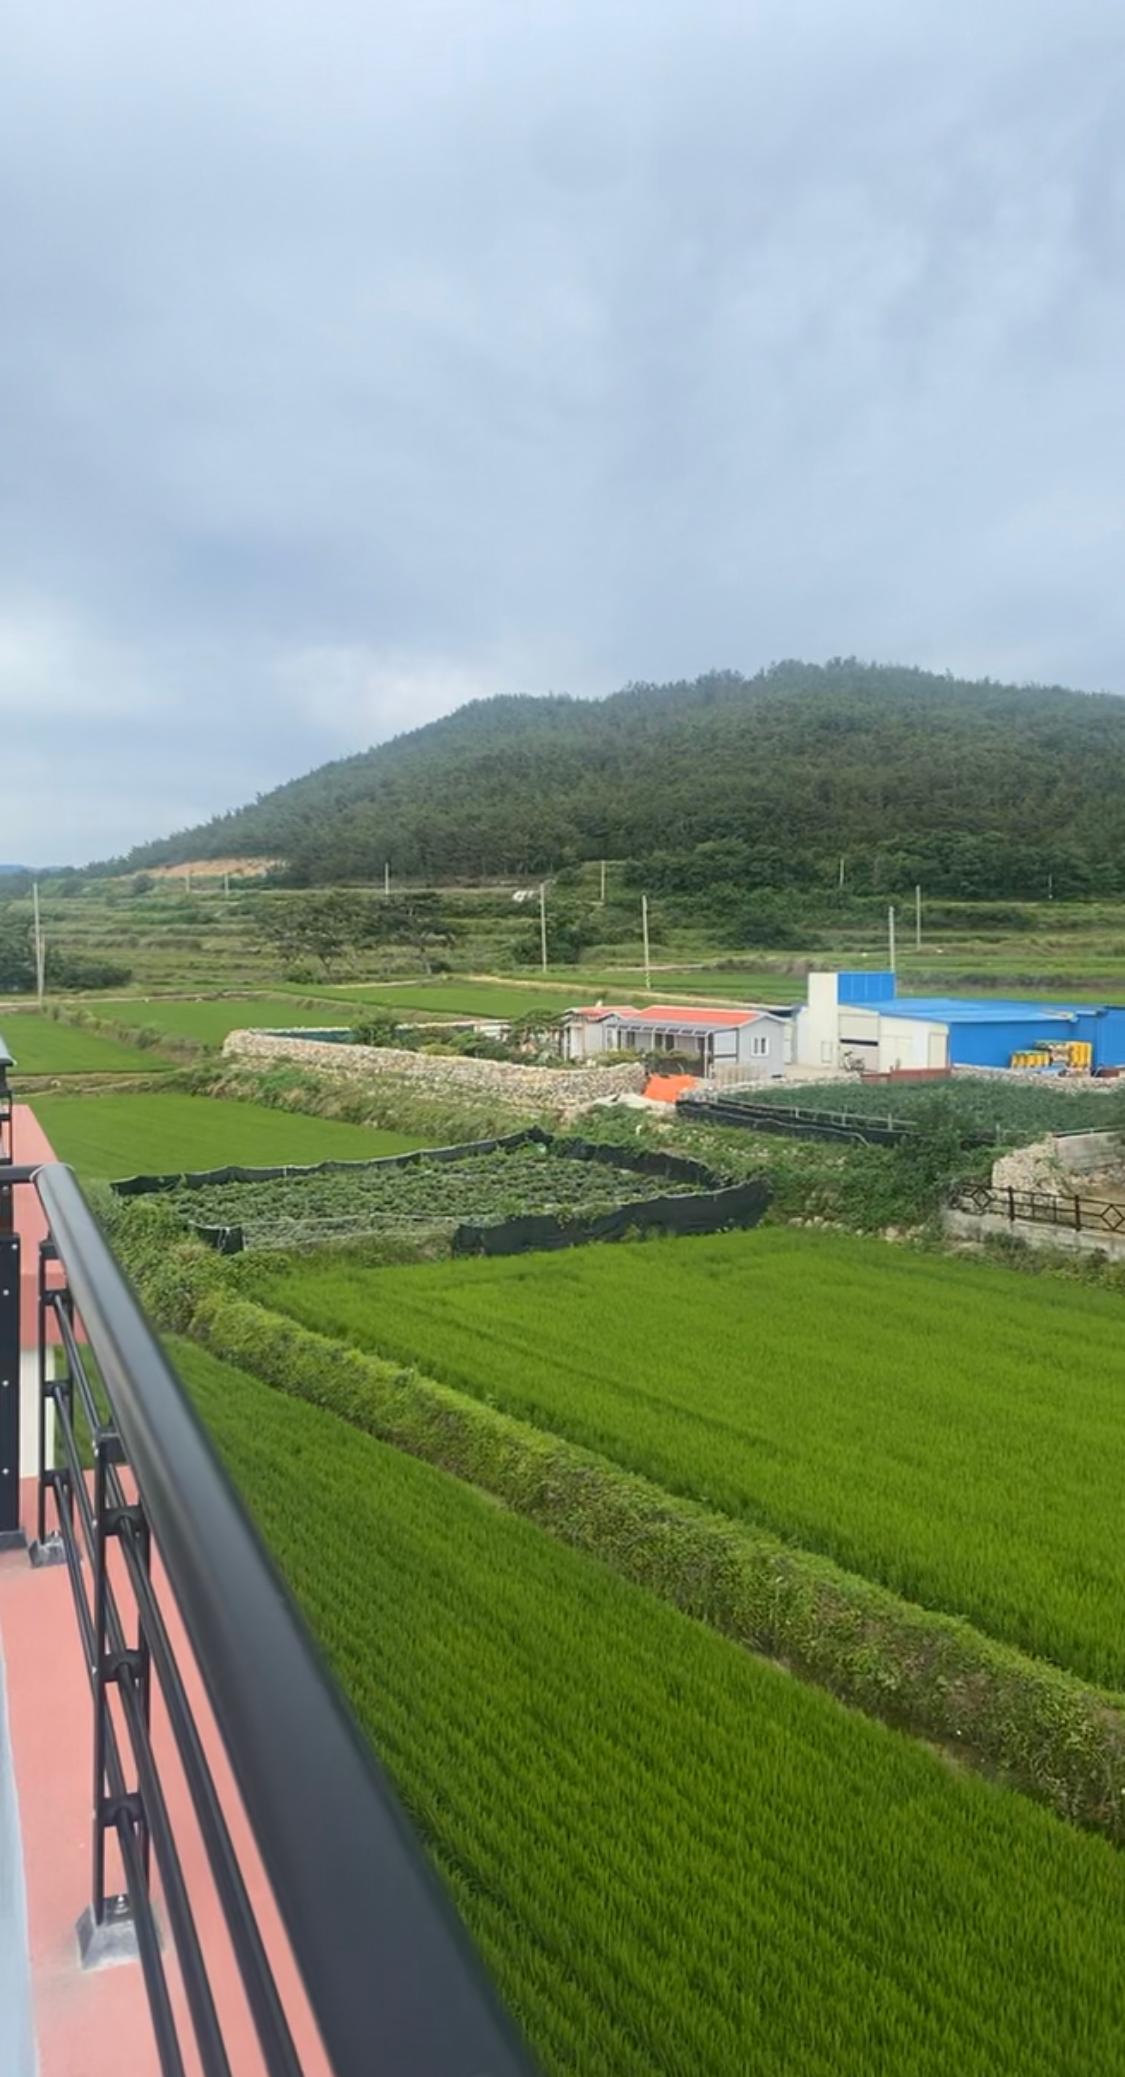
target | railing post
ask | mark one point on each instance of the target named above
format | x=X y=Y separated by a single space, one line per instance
x=1011 y=1205
x=48 y=1548
x=44 y=1395
x=101 y=1811
x=11 y=1533
x=1078 y=1215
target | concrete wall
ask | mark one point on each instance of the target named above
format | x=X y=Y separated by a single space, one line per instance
x=1056 y=1162
x=1083 y=1153
x=538 y=1088
x=816 y=1037
x=980 y=1225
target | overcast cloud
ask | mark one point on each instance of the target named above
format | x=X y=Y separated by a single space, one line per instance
x=357 y=361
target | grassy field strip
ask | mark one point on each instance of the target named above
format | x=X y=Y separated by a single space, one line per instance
x=944 y=1428
x=113 y=1136
x=210 y=1022
x=674 y=1857
x=461 y=998
x=40 y=1046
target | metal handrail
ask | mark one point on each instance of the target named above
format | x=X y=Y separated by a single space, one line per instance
x=1041 y=1208
x=391 y=1976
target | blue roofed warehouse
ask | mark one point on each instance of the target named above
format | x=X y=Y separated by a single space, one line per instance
x=859 y=1019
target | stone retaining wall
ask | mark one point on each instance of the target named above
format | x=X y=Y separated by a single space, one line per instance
x=1053 y=1163
x=565 y=1090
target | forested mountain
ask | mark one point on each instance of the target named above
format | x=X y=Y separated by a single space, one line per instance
x=974 y=788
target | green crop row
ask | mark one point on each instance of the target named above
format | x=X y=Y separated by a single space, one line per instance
x=942 y=1427
x=673 y=1858
x=1011 y=1111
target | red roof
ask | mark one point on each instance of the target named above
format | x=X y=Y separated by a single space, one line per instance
x=667 y=1013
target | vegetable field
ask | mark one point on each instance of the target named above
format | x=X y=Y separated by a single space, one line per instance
x=483 y=1188
x=1015 y=1111
x=945 y=1428
x=164 y=1134
x=674 y=1857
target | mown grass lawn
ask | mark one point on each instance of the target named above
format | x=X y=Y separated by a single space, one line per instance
x=951 y=1430
x=113 y=1136
x=674 y=1857
x=39 y=1046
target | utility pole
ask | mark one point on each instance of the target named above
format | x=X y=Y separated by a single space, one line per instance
x=840 y=881
x=891 y=935
x=917 y=919
x=387 y=881
x=543 y=924
x=226 y=885
x=603 y=884
x=644 y=934
x=40 y=947
x=1050 y=887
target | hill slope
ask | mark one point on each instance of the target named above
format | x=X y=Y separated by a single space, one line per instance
x=976 y=788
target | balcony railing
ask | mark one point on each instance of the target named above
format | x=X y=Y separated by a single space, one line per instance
x=391 y=1978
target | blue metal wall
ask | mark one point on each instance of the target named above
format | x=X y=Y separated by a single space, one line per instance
x=992 y=1045
x=1110 y=1042
x=857 y=987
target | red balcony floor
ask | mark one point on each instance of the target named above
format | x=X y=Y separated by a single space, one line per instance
x=95 y=2023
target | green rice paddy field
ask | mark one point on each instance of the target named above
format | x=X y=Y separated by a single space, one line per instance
x=947 y=1428
x=463 y=998
x=111 y=1136
x=674 y=1857
x=39 y=1046
x=210 y=1021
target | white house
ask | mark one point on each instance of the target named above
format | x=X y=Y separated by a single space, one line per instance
x=756 y=1040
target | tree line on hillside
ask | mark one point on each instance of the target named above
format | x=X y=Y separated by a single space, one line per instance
x=975 y=789
x=63 y=969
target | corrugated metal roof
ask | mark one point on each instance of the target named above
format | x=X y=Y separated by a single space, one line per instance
x=686 y=1017
x=953 y=1009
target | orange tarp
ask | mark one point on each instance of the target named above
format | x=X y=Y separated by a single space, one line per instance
x=666 y=1088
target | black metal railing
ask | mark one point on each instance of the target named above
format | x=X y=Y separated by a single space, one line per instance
x=873 y=1128
x=391 y=1978
x=6 y=1064
x=794 y=1120
x=1042 y=1208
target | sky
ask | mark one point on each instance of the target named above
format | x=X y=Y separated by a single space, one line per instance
x=358 y=361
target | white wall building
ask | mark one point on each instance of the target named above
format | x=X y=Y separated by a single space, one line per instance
x=719 y=1041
